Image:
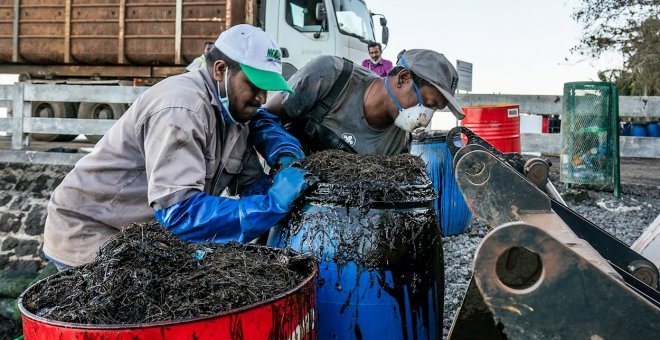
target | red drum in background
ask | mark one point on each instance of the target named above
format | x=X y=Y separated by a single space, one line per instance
x=499 y=124
x=545 y=124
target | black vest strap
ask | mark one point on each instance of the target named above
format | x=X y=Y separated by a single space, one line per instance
x=308 y=129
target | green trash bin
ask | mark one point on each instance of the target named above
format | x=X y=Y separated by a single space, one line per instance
x=590 y=134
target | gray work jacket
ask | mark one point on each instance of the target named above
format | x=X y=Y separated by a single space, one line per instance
x=168 y=146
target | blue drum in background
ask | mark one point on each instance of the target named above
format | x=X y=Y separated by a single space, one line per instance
x=381 y=269
x=638 y=130
x=653 y=129
x=453 y=213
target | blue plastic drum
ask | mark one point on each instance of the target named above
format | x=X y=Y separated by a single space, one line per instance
x=638 y=130
x=653 y=129
x=381 y=271
x=453 y=213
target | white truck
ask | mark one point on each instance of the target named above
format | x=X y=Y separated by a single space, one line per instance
x=137 y=42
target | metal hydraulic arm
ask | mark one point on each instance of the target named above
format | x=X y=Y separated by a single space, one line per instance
x=544 y=271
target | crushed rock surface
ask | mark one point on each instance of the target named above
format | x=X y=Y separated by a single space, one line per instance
x=625 y=219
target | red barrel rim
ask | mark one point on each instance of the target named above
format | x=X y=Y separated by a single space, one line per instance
x=288 y=293
x=486 y=106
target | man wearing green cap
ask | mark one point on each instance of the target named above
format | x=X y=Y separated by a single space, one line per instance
x=171 y=155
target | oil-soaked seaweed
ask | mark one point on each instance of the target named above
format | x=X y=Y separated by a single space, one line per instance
x=363 y=180
x=375 y=239
x=429 y=136
x=146 y=274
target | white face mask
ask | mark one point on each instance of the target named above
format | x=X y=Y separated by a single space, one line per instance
x=414 y=117
x=225 y=101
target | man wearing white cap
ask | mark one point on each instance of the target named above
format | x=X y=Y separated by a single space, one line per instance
x=171 y=155
x=369 y=115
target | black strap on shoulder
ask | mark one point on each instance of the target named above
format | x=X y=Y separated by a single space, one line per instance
x=326 y=103
x=314 y=136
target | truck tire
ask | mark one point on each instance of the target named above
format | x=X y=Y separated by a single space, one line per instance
x=53 y=110
x=100 y=111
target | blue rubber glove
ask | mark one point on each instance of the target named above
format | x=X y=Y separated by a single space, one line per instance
x=271 y=139
x=286 y=160
x=206 y=218
x=259 y=187
x=256 y=213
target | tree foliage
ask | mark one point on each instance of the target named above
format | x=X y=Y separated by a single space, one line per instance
x=631 y=27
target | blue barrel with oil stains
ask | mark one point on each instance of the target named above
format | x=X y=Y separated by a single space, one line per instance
x=381 y=271
x=453 y=213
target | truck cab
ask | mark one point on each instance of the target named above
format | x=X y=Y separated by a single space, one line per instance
x=305 y=29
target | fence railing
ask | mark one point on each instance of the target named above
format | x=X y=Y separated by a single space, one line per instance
x=629 y=106
x=18 y=99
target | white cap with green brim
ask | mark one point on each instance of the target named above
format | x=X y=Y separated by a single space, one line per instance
x=257 y=54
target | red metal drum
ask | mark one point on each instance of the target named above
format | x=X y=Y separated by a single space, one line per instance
x=291 y=315
x=499 y=124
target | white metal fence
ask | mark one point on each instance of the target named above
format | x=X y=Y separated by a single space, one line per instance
x=18 y=98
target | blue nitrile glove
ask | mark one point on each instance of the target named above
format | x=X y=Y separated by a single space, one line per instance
x=206 y=218
x=271 y=139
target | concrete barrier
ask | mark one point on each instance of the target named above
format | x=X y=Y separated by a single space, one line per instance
x=550 y=144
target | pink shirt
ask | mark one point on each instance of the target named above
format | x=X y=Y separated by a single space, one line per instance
x=382 y=68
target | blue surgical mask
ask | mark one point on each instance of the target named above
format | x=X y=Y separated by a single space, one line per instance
x=224 y=101
x=413 y=117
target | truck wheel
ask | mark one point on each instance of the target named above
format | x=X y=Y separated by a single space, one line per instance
x=52 y=110
x=100 y=111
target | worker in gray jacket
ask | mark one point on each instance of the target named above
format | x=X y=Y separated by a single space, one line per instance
x=178 y=147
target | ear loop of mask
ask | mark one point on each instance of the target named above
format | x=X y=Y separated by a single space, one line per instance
x=405 y=64
x=396 y=102
x=224 y=102
x=403 y=60
x=398 y=106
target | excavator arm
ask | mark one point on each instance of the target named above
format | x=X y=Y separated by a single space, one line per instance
x=544 y=271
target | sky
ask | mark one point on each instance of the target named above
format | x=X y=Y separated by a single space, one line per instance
x=516 y=47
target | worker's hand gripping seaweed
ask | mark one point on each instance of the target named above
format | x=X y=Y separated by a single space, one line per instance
x=197 y=218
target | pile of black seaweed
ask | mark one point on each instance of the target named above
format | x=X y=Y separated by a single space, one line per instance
x=361 y=180
x=146 y=274
x=423 y=136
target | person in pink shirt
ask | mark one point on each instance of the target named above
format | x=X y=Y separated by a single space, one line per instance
x=376 y=63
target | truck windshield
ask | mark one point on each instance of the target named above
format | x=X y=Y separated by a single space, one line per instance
x=354 y=19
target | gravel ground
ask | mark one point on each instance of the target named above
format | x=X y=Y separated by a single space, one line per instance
x=625 y=219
